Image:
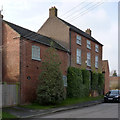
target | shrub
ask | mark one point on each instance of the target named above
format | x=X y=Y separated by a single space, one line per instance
x=100 y=83
x=74 y=78
x=86 y=81
x=78 y=82
x=94 y=81
x=50 y=89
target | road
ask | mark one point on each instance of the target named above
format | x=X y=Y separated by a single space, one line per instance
x=105 y=110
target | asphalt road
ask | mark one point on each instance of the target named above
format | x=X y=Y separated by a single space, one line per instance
x=105 y=110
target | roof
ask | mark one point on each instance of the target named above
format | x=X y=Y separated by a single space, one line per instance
x=72 y=27
x=105 y=65
x=33 y=36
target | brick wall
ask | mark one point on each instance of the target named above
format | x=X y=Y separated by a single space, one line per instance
x=11 y=58
x=114 y=82
x=32 y=68
x=84 y=51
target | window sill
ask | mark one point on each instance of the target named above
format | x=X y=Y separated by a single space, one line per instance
x=89 y=48
x=36 y=59
x=78 y=44
x=78 y=63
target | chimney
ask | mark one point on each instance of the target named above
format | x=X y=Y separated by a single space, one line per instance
x=53 y=12
x=1 y=19
x=88 y=31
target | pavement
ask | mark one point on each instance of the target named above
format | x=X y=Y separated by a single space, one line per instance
x=21 y=112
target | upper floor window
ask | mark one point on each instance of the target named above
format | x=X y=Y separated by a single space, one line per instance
x=78 y=39
x=96 y=61
x=78 y=56
x=88 y=44
x=36 y=52
x=88 y=59
x=96 y=48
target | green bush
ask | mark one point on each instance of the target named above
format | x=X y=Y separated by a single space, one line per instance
x=78 y=82
x=50 y=89
x=100 y=83
x=94 y=81
x=86 y=81
x=74 y=78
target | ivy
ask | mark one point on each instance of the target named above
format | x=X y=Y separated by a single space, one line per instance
x=78 y=82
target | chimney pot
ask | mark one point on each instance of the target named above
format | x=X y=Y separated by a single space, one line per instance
x=53 y=12
x=88 y=31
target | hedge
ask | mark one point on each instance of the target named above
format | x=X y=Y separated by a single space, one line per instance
x=94 y=84
x=100 y=83
x=86 y=81
x=78 y=82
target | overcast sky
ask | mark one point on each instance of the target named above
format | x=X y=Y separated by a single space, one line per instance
x=101 y=17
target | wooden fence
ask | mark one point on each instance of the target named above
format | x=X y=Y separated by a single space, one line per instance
x=10 y=95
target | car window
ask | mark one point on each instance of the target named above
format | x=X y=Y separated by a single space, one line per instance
x=114 y=92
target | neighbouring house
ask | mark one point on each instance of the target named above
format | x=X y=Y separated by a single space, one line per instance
x=22 y=53
x=114 y=82
x=86 y=52
x=23 y=50
x=105 y=71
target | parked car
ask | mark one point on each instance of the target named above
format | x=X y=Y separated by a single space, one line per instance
x=112 y=96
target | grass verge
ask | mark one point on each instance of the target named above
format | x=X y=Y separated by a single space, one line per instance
x=68 y=101
x=6 y=115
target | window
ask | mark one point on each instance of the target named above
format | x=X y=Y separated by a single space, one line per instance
x=88 y=44
x=65 y=81
x=96 y=48
x=88 y=59
x=78 y=56
x=96 y=61
x=78 y=39
x=36 y=52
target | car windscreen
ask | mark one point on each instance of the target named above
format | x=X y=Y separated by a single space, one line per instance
x=114 y=92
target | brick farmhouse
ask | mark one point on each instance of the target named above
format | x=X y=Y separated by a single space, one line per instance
x=23 y=50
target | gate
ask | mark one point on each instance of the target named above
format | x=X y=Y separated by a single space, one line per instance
x=10 y=95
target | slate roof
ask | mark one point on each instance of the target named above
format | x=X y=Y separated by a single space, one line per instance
x=33 y=36
x=75 y=29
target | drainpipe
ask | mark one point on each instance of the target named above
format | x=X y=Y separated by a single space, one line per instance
x=70 y=46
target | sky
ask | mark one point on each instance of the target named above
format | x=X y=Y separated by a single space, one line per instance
x=101 y=16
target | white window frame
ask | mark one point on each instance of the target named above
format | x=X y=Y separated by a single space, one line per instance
x=96 y=61
x=78 y=39
x=88 y=44
x=88 y=59
x=36 y=52
x=96 y=48
x=78 y=56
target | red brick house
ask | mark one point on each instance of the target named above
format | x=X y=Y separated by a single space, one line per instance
x=22 y=53
x=86 y=52
x=105 y=70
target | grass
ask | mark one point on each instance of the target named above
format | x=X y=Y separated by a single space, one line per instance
x=68 y=101
x=6 y=115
